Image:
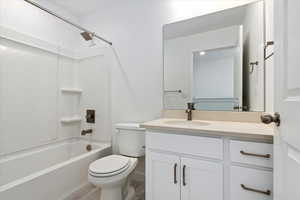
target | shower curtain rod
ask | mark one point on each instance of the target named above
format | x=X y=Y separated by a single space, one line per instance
x=67 y=21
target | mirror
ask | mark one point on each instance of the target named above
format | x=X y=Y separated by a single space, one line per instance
x=216 y=61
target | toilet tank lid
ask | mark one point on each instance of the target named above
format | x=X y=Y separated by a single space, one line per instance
x=130 y=126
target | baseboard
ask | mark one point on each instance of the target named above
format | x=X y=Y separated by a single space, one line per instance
x=94 y=194
x=79 y=192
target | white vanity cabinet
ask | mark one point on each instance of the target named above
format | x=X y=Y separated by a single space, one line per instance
x=186 y=167
x=174 y=177
x=201 y=179
x=163 y=172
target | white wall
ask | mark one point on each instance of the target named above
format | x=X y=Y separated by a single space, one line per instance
x=270 y=62
x=135 y=28
x=28 y=82
x=31 y=77
x=253 y=50
x=93 y=76
x=68 y=103
x=136 y=62
x=32 y=103
x=27 y=19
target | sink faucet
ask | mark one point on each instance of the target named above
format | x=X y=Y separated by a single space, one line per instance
x=190 y=108
x=87 y=131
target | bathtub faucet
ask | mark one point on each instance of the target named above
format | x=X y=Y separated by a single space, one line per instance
x=87 y=131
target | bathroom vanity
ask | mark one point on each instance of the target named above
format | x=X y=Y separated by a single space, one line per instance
x=219 y=160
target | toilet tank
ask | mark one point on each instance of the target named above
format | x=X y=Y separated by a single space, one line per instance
x=131 y=139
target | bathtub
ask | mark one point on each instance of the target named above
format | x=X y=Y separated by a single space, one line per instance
x=49 y=172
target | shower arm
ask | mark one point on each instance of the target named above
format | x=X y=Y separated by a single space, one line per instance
x=67 y=21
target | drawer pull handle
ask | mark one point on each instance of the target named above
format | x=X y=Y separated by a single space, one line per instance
x=175 y=173
x=268 y=192
x=256 y=155
x=183 y=175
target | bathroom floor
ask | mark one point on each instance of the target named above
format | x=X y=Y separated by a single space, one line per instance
x=140 y=189
x=95 y=193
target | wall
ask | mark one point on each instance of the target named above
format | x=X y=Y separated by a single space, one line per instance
x=254 y=82
x=30 y=77
x=270 y=62
x=67 y=103
x=93 y=76
x=24 y=18
x=33 y=103
x=135 y=28
x=136 y=60
x=28 y=110
x=42 y=56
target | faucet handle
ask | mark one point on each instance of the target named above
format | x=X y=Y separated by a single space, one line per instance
x=87 y=131
x=191 y=105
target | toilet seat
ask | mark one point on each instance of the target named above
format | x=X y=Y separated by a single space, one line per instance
x=109 y=166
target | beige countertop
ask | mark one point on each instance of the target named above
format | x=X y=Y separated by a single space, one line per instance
x=223 y=128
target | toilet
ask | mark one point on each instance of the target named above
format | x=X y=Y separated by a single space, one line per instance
x=111 y=173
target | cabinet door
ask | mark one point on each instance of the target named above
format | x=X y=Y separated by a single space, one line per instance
x=162 y=176
x=201 y=180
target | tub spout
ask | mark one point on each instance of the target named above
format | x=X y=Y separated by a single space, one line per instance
x=87 y=131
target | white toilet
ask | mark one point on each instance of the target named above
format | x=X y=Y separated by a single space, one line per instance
x=111 y=173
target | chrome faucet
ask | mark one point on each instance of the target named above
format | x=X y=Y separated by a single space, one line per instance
x=190 y=108
x=87 y=131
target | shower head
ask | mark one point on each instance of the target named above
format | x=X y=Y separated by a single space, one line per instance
x=87 y=35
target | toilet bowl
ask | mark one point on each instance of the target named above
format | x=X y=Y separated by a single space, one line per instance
x=111 y=173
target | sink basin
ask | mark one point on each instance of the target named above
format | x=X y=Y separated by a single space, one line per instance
x=186 y=123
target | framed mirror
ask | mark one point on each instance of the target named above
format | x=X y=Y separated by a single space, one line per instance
x=216 y=61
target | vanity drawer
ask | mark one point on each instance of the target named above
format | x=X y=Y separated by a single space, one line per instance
x=260 y=154
x=184 y=144
x=250 y=184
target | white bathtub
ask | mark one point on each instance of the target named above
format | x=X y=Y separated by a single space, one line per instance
x=49 y=172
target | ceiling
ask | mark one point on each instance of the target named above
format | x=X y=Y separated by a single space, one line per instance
x=204 y=23
x=79 y=7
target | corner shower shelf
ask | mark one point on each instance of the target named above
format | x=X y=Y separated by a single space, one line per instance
x=70 y=119
x=71 y=90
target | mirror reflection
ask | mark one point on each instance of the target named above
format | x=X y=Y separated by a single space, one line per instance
x=212 y=69
x=216 y=61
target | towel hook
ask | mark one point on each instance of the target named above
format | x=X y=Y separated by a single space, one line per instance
x=269 y=43
x=252 y=66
